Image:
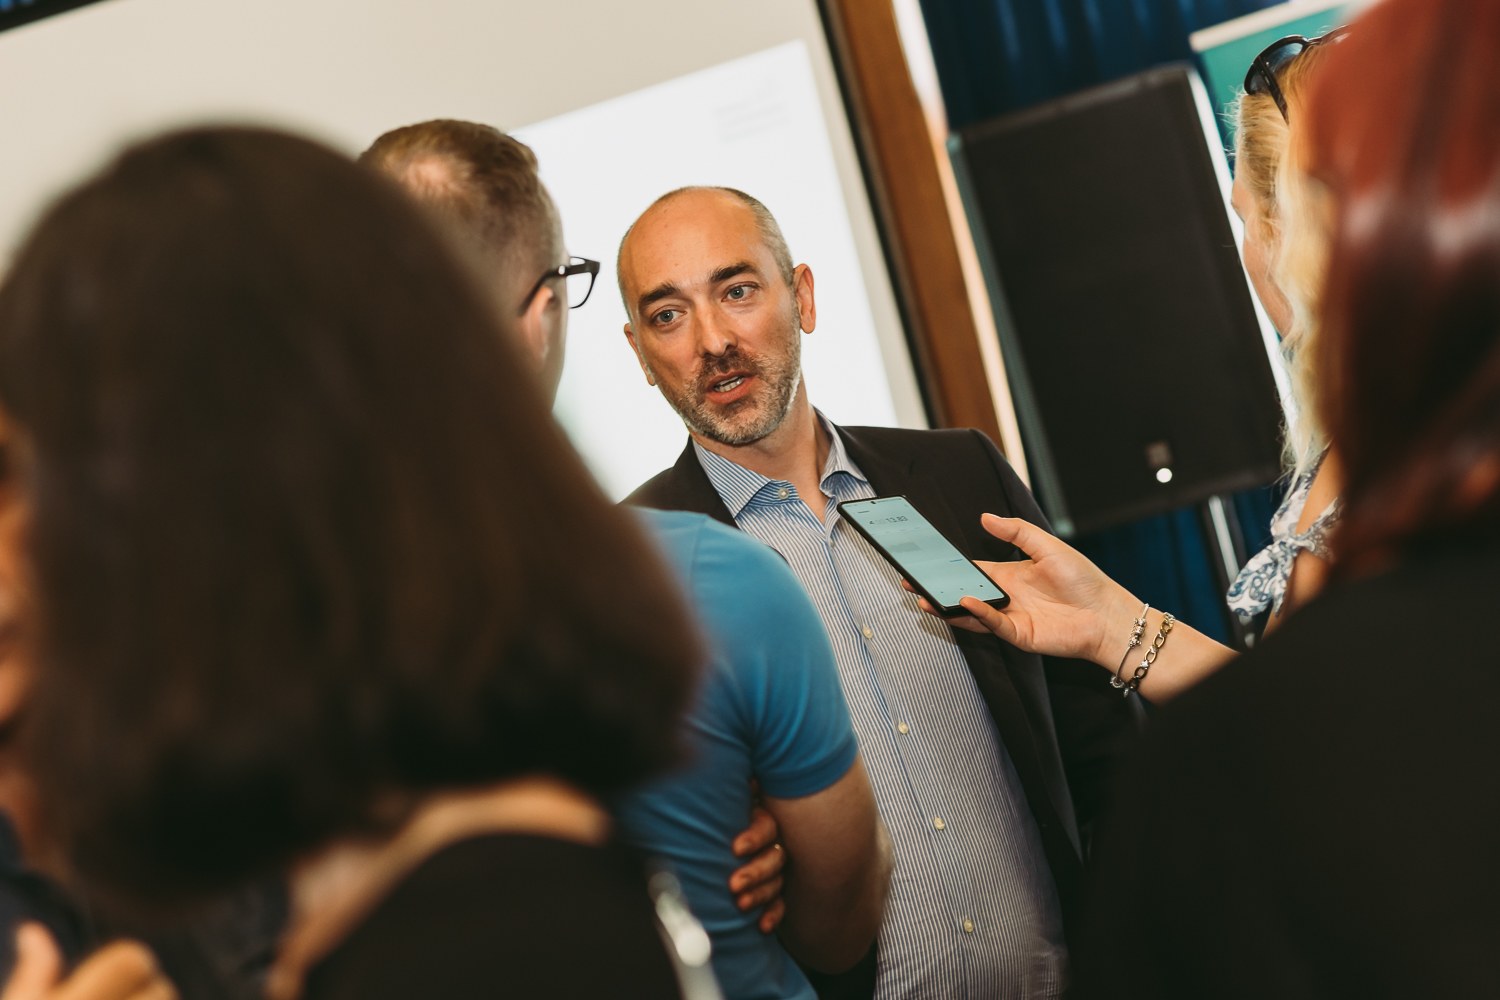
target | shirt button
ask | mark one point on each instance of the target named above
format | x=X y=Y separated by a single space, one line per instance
x=902 y=728
x=937 y=821
x=783 y=493
x=968 y=926
x=868 y=631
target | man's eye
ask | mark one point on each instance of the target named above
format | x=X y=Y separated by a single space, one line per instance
x=666 y=315
x=738 y=292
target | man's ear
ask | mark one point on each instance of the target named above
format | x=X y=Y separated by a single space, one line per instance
x=807 y=307
x=630 y=336
x=532 y=326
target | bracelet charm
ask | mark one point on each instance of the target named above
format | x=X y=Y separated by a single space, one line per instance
x=1136 y=628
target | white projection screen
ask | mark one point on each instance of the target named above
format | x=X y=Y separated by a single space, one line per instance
x=621 y=102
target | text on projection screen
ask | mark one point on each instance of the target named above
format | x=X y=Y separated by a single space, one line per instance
x=755 y=124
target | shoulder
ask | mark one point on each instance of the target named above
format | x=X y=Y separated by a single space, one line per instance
x=959 y=452
x=661 y=491
x=675 y=531
x=510 y=892
x=738 y=583
x=897 y=442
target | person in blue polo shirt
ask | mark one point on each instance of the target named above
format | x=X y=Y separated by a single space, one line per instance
x=769 y=707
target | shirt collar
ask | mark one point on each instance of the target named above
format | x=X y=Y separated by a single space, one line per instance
x=737 y=485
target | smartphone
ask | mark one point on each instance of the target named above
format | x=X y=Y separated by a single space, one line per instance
x=921 y=554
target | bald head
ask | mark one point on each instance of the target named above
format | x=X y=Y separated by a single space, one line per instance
x=738 y=213
x=717 y=312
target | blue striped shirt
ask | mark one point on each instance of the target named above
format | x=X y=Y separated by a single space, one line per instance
x=973 y=910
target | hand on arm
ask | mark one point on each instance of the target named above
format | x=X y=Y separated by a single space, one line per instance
x=1061 y=604
x=124 y=970
x=758 y=882
x=838 y=871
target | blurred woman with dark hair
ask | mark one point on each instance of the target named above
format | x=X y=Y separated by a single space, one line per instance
x=1319 y=818
x=318 y=586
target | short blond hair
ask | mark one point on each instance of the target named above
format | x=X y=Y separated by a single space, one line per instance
x=483 y=182
x=1291 y=219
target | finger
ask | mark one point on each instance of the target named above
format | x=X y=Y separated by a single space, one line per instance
x=991 y=620
x=967 y=622
x=760 y=895
x=771 y=919
x=962 y=621
x=1023 y=535
x=760 y=835
x=764 y=866
x=38 y=964
x=118 y=971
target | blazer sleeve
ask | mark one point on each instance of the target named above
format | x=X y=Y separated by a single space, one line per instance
x=1096 y=727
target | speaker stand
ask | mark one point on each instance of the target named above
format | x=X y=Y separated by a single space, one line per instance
x=1225 y=541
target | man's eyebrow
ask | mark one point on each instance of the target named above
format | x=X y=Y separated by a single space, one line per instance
x=662 y=291
x=734 y=270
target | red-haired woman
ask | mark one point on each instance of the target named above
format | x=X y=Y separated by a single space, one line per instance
x=1319 y=818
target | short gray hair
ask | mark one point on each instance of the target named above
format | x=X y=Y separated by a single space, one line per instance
x=770 y=231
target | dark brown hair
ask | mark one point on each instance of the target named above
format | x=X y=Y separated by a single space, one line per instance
x=482 y=182
x=305 y=536
x=1404 y=133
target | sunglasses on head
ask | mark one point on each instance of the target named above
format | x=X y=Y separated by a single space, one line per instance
x=1262 y=76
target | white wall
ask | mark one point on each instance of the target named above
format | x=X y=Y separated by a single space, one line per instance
x=80 y=84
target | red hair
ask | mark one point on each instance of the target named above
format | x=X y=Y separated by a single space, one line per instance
x=1405 y=132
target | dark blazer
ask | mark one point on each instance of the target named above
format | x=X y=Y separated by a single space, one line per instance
x=1060 y=721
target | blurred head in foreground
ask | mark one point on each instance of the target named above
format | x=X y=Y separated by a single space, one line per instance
x=1286 y=232
x=305 y=544
x=483 y=187
x=1403 y=133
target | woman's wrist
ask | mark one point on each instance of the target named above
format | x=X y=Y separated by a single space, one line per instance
x=1117 y=623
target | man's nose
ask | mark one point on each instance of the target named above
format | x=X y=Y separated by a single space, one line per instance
x=715 y=336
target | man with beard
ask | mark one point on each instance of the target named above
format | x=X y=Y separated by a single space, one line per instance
x=987 y=762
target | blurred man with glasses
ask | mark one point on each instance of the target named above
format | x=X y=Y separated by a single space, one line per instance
x=484 y=185
x=770 y=706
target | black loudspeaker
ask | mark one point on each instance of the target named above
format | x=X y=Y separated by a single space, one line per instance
x=1136 y=356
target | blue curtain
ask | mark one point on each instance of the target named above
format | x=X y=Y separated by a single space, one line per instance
x=996 y=56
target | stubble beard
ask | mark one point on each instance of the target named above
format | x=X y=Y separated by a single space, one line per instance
x=754 y=417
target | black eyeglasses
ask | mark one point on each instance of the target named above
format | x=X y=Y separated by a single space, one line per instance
x=579 y=272
x=1262 y=76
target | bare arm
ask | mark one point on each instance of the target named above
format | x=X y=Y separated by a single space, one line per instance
x=1061 y=604
x=837 y=874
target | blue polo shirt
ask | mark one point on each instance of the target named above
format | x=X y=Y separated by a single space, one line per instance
x=768 y=707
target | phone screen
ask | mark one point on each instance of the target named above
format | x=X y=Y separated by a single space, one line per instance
x=920 y=551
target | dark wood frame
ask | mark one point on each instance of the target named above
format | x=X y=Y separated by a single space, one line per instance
x=901 y=172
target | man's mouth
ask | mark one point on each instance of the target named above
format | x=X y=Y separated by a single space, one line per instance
x=728 y=385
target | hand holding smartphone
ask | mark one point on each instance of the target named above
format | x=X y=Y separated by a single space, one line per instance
x=920 y=553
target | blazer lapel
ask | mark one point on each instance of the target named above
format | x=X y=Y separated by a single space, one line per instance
x=900 y=476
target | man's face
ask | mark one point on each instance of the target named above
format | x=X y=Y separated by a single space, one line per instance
x=713 y=323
